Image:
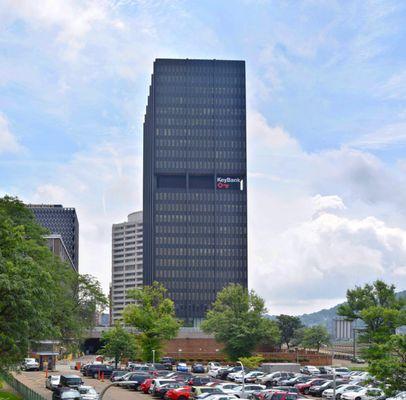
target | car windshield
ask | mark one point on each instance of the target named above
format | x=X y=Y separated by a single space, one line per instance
x=70 y=394
x=87 y=390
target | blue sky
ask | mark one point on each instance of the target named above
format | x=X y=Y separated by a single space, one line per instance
x=326 y=95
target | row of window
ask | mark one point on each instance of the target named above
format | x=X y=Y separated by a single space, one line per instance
x=200 y=241
x=202 y=133
x=200 y=207
x=194 y=154
x=200 y=252
x=201 y=144
x=199 y=67
x=203 y=229
x=162 y=122
x=167 y=89
x=227 y=197
x=203 y=218
x=188 y=111
x=184 y=99
x=214 y=262
x=199 y=165
x=203 y=79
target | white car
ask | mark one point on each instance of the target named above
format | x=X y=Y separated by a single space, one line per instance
x=30 y=364
x=250 y=376
x=157 y=383
x=88 y=393
x=219 y=396
x=363 y=394
x=248 y=389
x=399 y=396
x=212 y=369
x=310 y=370
x=226 y=386
x=342 y=371
x=52 y=382
x=328 y=393
x=361 y=376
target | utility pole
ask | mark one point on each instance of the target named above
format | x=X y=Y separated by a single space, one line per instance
x=243 y=379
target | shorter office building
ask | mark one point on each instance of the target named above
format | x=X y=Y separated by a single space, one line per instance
x=127 y=272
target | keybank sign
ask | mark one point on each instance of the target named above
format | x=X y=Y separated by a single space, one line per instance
x=232 y=183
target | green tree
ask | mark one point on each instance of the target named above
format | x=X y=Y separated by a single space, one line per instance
x=153 y=316
x=39 y=297
x=381 y=311
x=314 y=337
x=390 y=367
x=237 y=319
x=288 y=325
x=118 y=343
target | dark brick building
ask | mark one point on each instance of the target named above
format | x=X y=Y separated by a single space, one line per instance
x=195 y=189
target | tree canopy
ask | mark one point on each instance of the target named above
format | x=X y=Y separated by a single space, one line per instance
x=314 y=337
x=118 y=343
x=288 y=325
x=40 y=296
x=237 y=319
x=153 y=315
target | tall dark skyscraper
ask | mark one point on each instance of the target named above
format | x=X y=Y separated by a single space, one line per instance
x=61 y=221
x=195 y=189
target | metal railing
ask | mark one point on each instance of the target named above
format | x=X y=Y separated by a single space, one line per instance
x=19 y=387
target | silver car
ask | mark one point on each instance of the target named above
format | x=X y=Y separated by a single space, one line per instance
x=52 y=382
x=88 y=393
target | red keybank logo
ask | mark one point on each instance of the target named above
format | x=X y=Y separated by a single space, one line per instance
x=229 y=183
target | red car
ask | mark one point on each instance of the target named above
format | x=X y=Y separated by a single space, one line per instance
x=278 y=395
x=304 y=387
x=182 y=393
x=144 y=387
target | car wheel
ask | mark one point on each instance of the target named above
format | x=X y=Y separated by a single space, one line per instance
x=306 y=391
x=268 y=384
x=182 y=398
x=357 y=398
x=338 y=396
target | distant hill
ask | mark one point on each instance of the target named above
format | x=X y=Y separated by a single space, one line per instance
x=325 y=317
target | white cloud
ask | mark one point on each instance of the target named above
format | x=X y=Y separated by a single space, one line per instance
x=334 y=219
x=8 y=141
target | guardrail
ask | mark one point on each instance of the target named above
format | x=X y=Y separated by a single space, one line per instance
x=23 y=390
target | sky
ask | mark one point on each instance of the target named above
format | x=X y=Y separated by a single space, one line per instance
x=326 y=126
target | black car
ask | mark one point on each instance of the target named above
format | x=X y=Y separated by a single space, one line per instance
x=169 y=360
x=134 y=380
x=96 y=370
x=65 y=393
x=318 y=390
x=198 y=380
x=224 y=374
x=198 y=368
x=70 y=381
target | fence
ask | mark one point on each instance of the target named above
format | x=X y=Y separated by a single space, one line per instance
x=23 y=390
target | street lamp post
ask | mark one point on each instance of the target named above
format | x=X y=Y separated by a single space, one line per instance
x=243 y=379
x=179 y=351
x=153 y=356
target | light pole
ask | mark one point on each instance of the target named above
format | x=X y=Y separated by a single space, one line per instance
x=179 y=351
x=153 y=356
x=243 y=379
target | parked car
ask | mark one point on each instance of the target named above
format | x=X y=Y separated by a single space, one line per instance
x=198 y=368
x=309 y=370
x=398 y=396
x=329 y=393
x=133 y=380
x=118 y=375
x=88 y=393
x=275 y=378
x=277 y=395
x=305 y=387
x=156 y=383
x=317 y=390
x=169 y=360
x=30 y=364
x=250 y=377
x=95 y=370
x=224 y=386
x=162 y=390
x=182 y=367
x=52 y=382
x=66 y=394
x=244 y=392
x=70 y=381
x=182 y=393
x=325 y=369
x=144 y=387
x=363 y=394
x=293 y=381
x=342 y=371
x=198 y=390
x=223 y=374
x=198 y=380
x=217 y=396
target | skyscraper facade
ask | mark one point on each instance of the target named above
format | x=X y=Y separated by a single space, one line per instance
x=126 y=262
x=195 y=189
x=61 y=221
